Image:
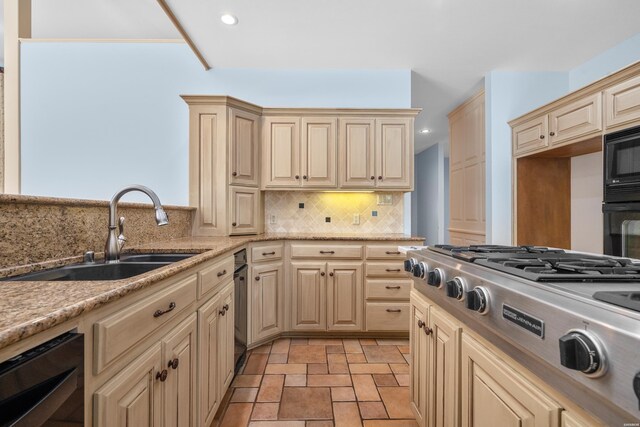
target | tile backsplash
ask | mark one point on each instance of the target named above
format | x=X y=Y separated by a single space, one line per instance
x=332 y=212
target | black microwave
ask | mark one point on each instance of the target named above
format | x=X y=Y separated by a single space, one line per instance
x=622 y=166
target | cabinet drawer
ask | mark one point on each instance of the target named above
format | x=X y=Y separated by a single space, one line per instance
x=576 y=120
x=209 y=278
x=383 y=252
x=387 y=316
x=622 y=103
x=120 y=331
x=266 y=253
x=390 y=289
x=326 y=251
x=531 y=135
x=385 y=269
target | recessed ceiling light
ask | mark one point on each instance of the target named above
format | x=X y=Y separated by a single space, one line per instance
x=424 y=131
x=229 y=19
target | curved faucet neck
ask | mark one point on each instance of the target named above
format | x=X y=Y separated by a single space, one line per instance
x=113 y=205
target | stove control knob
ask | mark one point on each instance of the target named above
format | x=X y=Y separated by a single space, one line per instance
x=420 y=270
x=477 y=299
x=409 y=264
x=456 y=288
x=581 y=351
x=435 y=277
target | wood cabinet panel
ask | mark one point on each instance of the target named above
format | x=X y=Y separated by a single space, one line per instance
x=267 y=301
x=387 y=316
x=357 y=153
x=531 y=135
x=208 y=375
x=419 y=366
x=384 y=252
x=385 y=269
x=394 y=153
x=344 y=296
x=244 y=148
x=245 y=213
x=133 y=397
x=576 y=120
x=319 y=157
x=281 y=153
x=622 y=103
x=226 y=335
x=326 y=251
x=209 y=278
x=266 y=252
x=388 y=289
x=308 y=296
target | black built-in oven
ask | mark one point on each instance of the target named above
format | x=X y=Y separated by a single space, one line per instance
x=622 y=166
x=622 y=229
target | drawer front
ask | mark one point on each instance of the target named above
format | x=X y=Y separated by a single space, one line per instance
x=266 y=253
x=117 y=333
x=389 y=289
x=387 y=316
x=575 y=120
x=385 y=269
x=622 y=103
x=531 y=136
x=326 y=251
x=384 y=252
x=209 y=278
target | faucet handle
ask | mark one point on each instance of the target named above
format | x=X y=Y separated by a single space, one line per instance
x=89 y=257
x=121 y=238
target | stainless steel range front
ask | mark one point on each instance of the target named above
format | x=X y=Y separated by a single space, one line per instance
x=572 y=318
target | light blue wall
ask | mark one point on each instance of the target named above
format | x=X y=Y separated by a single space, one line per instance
x=98 y=116
x=507 y=96
x=605 y=63
x=429 y=198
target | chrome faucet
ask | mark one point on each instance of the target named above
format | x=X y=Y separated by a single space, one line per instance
x=115 y=242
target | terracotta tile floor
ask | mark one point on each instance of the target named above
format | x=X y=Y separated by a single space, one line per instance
x=322 y=383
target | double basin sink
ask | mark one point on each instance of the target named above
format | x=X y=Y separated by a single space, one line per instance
x=129 y=266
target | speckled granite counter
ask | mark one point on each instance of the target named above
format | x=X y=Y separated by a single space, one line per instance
x=27 y=308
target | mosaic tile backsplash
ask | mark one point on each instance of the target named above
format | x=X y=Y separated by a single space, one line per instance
x=339 y=208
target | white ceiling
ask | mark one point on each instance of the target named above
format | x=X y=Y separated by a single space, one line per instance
x=450 y=44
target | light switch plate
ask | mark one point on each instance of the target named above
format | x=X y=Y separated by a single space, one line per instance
x=385 y=199
x=356 y=219
x=272 y=219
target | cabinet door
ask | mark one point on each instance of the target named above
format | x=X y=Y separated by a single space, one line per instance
x=281 y=152
x=318 y=154
x=578 y=119
x=244 y=148
x=308 y=296
x=493 y=394
x=394 y=153
x=133 y=397
x=226 y=338
x=356 y=144
x=208 y=365
x=267 y=301
x=419 y=349
x=245 y=212
x=531 y=135
x=344 y=296
x=622 y=103
x=179 y=356
x=444 y=370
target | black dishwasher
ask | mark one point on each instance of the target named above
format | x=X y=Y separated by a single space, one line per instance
x=44 y=386
x=240 y=307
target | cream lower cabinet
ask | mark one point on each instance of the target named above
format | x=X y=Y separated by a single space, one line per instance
x=435 y=340
x=209 y=389
x=226 y=332
x=266 y=283
x=344 y=296
x=158 y=388
x=309 y=296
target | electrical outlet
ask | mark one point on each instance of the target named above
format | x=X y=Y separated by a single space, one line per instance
x=356 y=219
x=272 y=219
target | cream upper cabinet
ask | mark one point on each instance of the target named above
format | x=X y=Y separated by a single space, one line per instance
x=344 y=296
x=318 y=152
x=494 y=394
x=576 y=120
x=419 y=366
x=208 y=375
x=281 y=152
x=244 y=148
x=394 y=153
x=267 y=301
x=622 y=103
x=308 y=295
x=531 y=135
x=245 y=213
x=356 y=144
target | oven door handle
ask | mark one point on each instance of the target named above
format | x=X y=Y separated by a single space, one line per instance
x=50 y=395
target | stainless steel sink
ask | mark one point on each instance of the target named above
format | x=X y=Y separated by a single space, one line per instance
x=91 y=272
x=154 y=257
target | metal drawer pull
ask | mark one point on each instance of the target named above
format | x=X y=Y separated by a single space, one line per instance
x=162 y=375
x=392 y=287
x=268 y=253
x=392 y=270
x=328 y=252
x=392 y=252
x=173 y=364
x=222 y=273
x=159 y=313
x=393 y=310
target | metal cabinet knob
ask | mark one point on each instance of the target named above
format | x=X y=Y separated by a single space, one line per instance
x=257 y=278
x=162 y=375
x=297 y=176
x=541 y=136
x=305 y=177
x=322 y=273
x=233 y=224
x=234 y=174
x=373 y=177
x=380 y=177
x=173 y=364
x=552 y=133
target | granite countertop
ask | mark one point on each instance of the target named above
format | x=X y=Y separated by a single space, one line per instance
x=27 y=308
